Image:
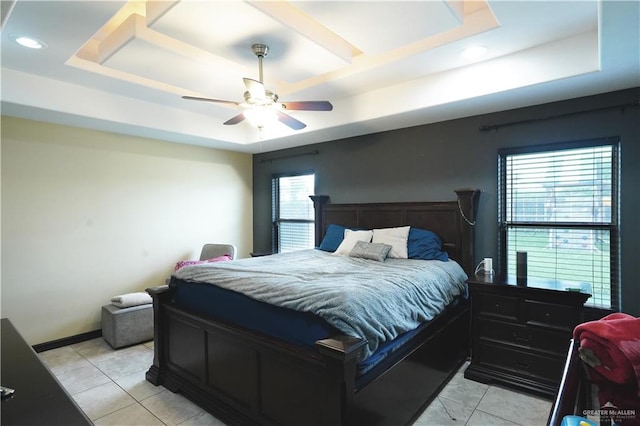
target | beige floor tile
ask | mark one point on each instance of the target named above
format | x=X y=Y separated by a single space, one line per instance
x=95 y=350
x=444 y=412
x=133 y=415
x=126 y=361
x=62 y=360
x=515 y=407
x=82 y=378
x=480 y=418
x=464 y=390
x=171 y=408
x=136 y=385
x=102 y=400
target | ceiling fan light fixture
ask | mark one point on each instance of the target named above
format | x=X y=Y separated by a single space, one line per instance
x=260 y=116
x=261 y=106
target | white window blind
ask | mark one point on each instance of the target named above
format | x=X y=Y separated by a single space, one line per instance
x=560 y=205
x=292 y=212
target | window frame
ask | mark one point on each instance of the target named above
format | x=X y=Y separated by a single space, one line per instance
x=613 y=226
x=276 y=220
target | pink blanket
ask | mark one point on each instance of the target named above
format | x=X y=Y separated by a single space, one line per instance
x=183 y=263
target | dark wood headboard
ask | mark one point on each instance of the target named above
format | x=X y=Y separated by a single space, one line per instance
x=451 y=220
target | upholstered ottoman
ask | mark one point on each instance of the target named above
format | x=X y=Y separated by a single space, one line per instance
x=127 y=326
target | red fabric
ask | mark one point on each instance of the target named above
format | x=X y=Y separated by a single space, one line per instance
x=615 y=340
x=611 y=349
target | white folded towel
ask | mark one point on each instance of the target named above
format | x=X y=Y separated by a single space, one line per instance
x=131 y=299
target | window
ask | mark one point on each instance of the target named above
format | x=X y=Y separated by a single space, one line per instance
x=292 y=212
x=560 y=205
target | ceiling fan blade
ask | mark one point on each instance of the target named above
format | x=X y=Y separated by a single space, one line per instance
x=220 y=101
x=290 y=121
x=308 y=106
x=255 y=88
x=235 y=120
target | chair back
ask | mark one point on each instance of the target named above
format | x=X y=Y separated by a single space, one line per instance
x=209 y=251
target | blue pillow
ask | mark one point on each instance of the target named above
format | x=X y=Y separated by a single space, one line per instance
x=425 y=245
x=332 y=238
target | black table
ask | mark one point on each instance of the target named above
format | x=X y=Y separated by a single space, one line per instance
x=38 y=398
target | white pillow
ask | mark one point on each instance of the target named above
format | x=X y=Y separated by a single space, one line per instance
x=396 y=238
x=350 y=240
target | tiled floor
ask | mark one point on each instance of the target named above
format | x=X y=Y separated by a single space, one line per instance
x=469 y=403
x=110 y=387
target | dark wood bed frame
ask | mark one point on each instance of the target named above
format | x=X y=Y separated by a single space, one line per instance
x=244 y=377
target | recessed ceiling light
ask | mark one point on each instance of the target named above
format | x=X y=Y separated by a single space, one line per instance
x=26 y=41
x=474 y=52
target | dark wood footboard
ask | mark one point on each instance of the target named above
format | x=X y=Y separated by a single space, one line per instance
x=243 y=377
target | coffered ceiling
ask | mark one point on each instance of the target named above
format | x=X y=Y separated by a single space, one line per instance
x=124 y=66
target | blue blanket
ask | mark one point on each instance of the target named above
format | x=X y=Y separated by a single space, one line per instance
x=375 y=301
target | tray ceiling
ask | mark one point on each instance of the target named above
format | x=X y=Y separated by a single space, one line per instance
x=123 y=66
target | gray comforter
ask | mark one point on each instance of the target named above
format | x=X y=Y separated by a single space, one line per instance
x=376 y=301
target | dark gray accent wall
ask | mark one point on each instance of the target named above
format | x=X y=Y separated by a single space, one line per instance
x=426 y=163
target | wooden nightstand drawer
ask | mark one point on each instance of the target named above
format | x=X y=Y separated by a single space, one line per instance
x=520 y=334
x=530 y=337
x=526 y=364
x=550 y=314
x=498 y=306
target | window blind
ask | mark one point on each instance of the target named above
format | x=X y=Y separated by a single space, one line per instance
x=560 y=206
x=292 y=210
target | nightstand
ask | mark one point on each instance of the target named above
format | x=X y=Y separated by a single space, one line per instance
x=260 y=253
x=520 y=334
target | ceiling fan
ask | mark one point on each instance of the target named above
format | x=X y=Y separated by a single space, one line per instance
x=261 y=104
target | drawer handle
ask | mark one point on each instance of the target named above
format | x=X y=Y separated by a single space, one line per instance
x=522 y=366
x=547 y=315
x=521 y=339
x=497 y=306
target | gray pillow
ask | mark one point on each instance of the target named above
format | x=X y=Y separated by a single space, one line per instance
x=371 y=251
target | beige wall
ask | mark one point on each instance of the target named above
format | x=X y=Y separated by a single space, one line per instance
x=87 y=215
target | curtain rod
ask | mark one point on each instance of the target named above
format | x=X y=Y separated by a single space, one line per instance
x=495 y=127
x=272 y=159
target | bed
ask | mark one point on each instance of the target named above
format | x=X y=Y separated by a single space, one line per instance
x=246 y=375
